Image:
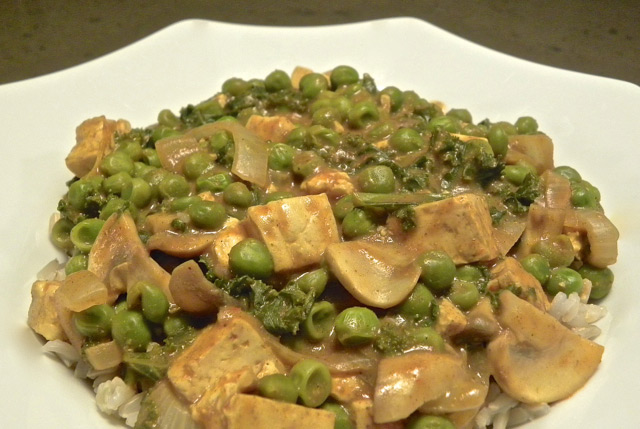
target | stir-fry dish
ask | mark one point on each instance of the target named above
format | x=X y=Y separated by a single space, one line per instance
x=310 y=251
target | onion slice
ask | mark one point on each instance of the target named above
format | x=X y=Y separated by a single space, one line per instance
x=601 y=234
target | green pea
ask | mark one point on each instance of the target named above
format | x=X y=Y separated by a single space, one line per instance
x=60 y=234
x=319 y=322
x=526 y=125
x=132 y=149
x=219 y=140
x=235 y=86
x=325 y=116
x=312 y=84
x=357 y=223
x=463 y=114
x=437 y=270
x=197 y=164
x=120 y=306
x=537 y=266
x=116 y=205
x=469 y=273
x=343 y=75
x=557 y=250
x=313 y=380
x=299 y=138
x=173 y=185
x=207 y=214
x=150 y=157
x=356 y=326
x=278 y=387
x=161 y=132
x=116 y=162
x=251 y=257
x=343 y=207
x=362 y=114
x=324 y=136
x=84 y=234
x=343 y=421
x=155 y=305
x=517 y=173
x=430 y=422
x=130 y=331
x=341 y=105
x=508 y=128
x=213 y=182
x=474 y=130
x=276 y=81
x=306 y=163
x=281 y=157
x=275 y=196
x=315 y=281
x=419 y=304
x=210 y=108
x=94 y=322
x=78 y=193
x=449 y=124
x=138 y=192
x=175 y=325
x=76 y=263
x=395 y=95
x=378 y=179
x=168 y=119
x=499 y=140
x=601 y=280
x=568 y=173
x=464 y=294
x=429 y=337
x=406 y=140
x=565 y=280
x=382 y=131
x=140 y=169
x=183 y=203
x=154 y=178
x=237 y=194
x=584 y=195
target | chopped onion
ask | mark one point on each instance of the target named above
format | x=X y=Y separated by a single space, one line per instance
x=82 y=290
x=601 y=234
x=251 y=157
x=171 y=412
x=557 y=192
x=172 y=151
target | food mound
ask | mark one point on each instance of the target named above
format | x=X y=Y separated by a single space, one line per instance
x=308 y=251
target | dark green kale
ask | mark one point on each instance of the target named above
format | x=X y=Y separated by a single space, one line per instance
x=518 y=201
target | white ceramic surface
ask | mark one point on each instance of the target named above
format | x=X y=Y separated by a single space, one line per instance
x=595 y=124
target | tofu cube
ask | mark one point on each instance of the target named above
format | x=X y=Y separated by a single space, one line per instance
x=43 y=317
x=295 y=230
x=460 y=226
x=252 y=411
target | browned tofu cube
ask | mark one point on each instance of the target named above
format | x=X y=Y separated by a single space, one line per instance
x=296 y=230
x=256 y=412
x=460 y=226
x=271 y=128
x=510 y=272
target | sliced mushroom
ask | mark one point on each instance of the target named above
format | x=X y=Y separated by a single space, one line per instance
x=376 y=274
x=536 y=359
x=408 y=381
x=192 y=291
x=535 y=149
x=119 y=246
x=187 y=245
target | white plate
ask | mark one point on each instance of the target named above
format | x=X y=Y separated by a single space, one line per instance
x=594 y=123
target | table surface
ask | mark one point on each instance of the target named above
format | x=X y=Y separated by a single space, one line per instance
x=591 y=36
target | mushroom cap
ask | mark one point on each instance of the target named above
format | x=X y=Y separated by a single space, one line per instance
x=376 y=274
x=536 y=359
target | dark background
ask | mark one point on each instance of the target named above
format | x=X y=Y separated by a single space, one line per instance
x=600 y=37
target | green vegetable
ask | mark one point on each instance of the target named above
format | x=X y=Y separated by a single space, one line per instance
x=565 y=280
x=438 y=270
x=281 y=157
x=377 y=179
x=207 y=214
x=429 y=422
x=155 y=305
x=343 y=421
x=60 y=234
x=173 y=186
x=319 y=323
x=238 y=194
x=464 y=294
x=277 y=80
x=197 y=164
x=356 y=326
x=116 y=183
x=395 y=95
x=313 y=281
x=463 y=114
x=278 y=387
x=427 y=336
x=568 y=173
x=138 y=192
x=251 y=257
x=213 y=182
x=526 y=125
x=94 y=322
x=537 y=266
x=116 y=162
x=343 y=75
x=235 y=86
x=557 y=250
x=406 y=140
x=313 y=380
x=84 y=234
x=76 y=263
x=357 y=223
x=420 y=304
x=601 y=280
x=312 y=84
x=130 y=331
x=499 y=140
x=363 y=113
